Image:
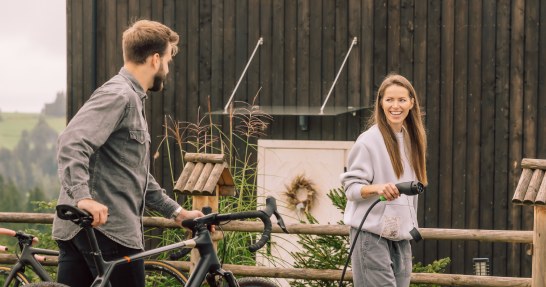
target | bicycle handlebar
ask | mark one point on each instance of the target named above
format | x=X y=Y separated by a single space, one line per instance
x=264 y=215
x=21 y=236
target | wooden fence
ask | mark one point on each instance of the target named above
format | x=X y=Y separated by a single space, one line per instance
x=340 y=230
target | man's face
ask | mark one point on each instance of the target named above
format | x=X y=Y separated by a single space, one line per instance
x=161 y=75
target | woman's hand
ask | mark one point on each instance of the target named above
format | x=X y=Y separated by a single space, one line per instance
x=388 y=191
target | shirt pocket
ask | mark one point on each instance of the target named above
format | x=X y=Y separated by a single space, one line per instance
x=135 y=150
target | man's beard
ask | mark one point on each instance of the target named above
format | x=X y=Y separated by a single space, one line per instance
x=159 y=80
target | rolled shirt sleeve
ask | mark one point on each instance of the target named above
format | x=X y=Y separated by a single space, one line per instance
x=359 y=173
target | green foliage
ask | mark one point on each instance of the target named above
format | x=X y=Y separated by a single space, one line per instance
x=238 y=143
x=438 y=266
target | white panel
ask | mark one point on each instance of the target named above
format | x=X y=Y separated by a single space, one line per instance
x=279 y=162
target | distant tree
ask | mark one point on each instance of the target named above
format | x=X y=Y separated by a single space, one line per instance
x=1 y=118
x=57 y=108
x=12 y=200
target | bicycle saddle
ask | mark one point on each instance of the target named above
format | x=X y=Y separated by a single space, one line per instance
x=72 y=213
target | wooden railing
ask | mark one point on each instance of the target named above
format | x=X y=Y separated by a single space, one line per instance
x=318 y=229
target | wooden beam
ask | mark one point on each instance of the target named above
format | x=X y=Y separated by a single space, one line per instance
x=533 y=163
x=204 y=158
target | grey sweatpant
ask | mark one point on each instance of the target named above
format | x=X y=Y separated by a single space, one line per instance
x=380 y=262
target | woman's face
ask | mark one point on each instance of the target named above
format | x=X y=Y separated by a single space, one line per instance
x=396 y=104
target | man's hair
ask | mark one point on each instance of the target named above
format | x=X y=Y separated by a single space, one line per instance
x=145 y=38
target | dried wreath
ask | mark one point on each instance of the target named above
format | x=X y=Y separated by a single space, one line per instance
x=301 y=193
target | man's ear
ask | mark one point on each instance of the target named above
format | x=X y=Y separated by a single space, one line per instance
x=155 y=61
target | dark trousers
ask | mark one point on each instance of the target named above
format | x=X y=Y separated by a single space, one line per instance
x=77 y=268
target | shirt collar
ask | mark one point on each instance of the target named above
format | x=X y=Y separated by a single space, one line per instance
x=136 y=86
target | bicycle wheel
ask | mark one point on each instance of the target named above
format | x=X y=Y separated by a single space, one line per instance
x=256 y=282
x=160 y=273
x=19 y=280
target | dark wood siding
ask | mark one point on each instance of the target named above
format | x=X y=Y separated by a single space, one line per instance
x=476 y=65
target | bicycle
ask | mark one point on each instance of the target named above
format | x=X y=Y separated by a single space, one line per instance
x=157 y=272
x=207 y=268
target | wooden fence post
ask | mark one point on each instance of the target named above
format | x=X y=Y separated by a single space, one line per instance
x=539 y=251
x=531 y=190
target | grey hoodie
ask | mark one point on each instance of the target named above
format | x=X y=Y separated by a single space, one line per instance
x=369 y=163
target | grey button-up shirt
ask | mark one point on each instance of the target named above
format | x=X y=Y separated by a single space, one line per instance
x=103 y=154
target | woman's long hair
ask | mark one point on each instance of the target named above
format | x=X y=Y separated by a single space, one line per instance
x=413 y=125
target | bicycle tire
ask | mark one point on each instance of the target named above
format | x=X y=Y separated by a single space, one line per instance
x=256 y=282
x=19 y=280
x=160 y=273
x=46 y=284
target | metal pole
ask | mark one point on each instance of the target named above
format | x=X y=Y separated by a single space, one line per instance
x=337 y=76
x=260 y=42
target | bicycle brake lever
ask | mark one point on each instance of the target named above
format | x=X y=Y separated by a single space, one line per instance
x=280 y=222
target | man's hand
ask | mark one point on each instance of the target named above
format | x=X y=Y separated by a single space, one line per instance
x=188 y=214
x=97 y=210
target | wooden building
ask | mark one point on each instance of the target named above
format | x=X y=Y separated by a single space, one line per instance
x=476 y=64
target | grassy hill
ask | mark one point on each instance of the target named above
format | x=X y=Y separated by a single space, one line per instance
x=12 y=124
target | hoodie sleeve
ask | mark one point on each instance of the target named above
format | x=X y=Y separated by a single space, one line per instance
x=359 y=172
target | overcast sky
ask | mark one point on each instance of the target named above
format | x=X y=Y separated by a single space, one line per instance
x=32 y=53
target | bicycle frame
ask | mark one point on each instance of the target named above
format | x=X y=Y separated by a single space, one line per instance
x=208 y=263
x=27 y=259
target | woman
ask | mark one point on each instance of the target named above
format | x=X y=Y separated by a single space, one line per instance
x=391 y=151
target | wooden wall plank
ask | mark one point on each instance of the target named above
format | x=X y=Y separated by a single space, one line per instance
x=315 y=67
x=393 y=36
x=541 y=117
x=433 y=114
x=290 y=68
x=502 y=133
x=100 y=61
x=254 y=34
x=460 y=129
x=181 y=73
x=516 y=125
x=242 y=50
x=530 y=112
x=407 y=27
x=328 y=63
x=419 y=83
x=302 y=63
x=472 y=217
x=277 y=65
x=487 y=124
x=379 y=43
x=77 y=62
x=365 y=43
x=353 y=67
x=446 y=122
x=342 y=44
x=71 y=87
x=265 y=59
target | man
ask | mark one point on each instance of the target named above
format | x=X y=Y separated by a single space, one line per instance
x=103 y=157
